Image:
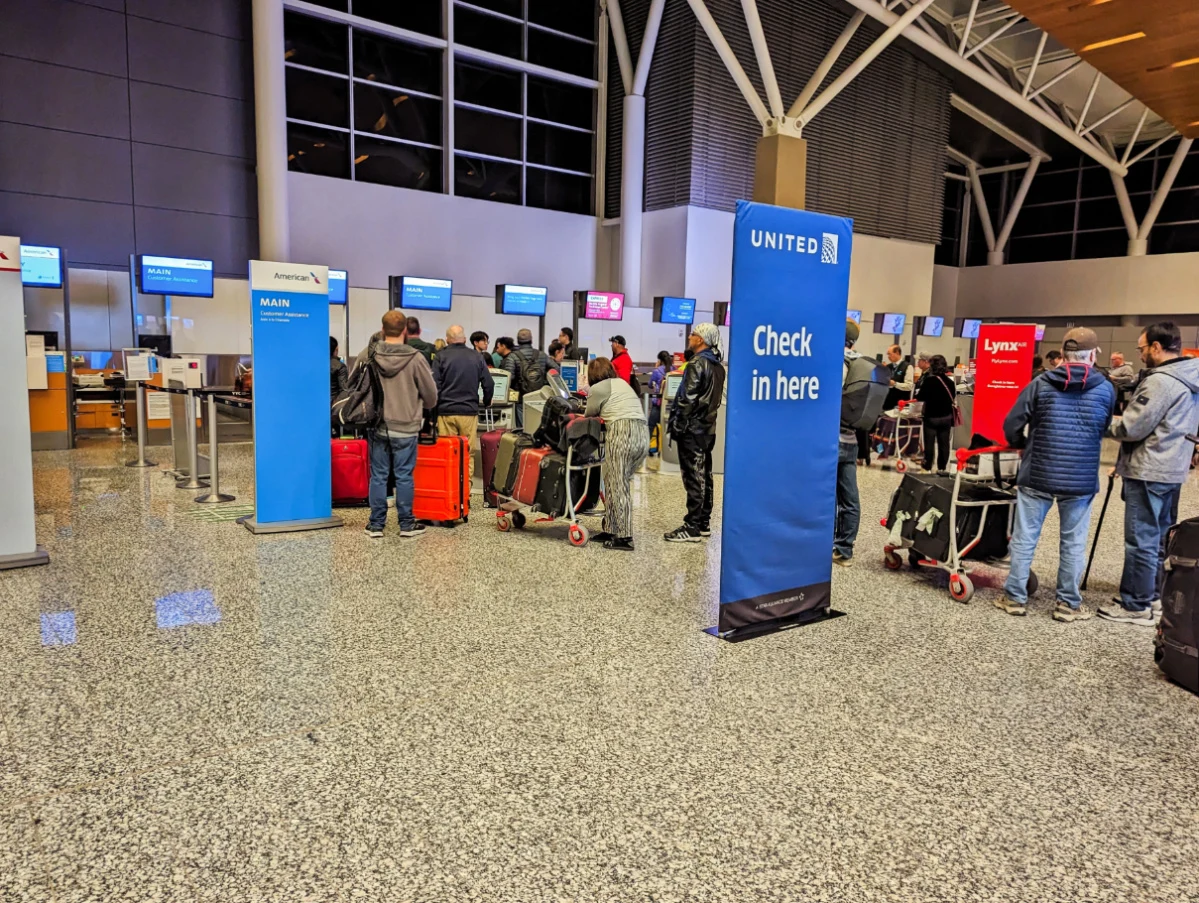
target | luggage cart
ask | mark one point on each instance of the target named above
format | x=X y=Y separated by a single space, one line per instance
x=511 y=513
x=904 y=429
x=1000 y=501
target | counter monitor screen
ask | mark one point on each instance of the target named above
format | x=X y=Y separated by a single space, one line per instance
x=500 y=393
x=673 y=381
x=339 y=282
x=855 y=315
x=601 y=305
x=419 y=293
x=178 y=276
x=41 y=266
x=890 y=324
x=967 y=329
x=520 y=300
x=932 y=327
x=674 y=310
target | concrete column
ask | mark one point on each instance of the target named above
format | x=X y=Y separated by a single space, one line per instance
x=632 y=198
x=270 y=124
x=781 y=171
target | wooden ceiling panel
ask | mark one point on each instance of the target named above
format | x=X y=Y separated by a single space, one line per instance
x=1142 y=66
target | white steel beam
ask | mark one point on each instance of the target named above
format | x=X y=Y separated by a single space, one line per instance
x=826 y=64
x=1050 y=82
x=997 y=86
x=1126 y=211
x=1159 y=197
x=1036 y=61
x=1086 y=107
x=996 y=34
x=623 y=57
x=957 y=177
x=969 y=28
x=964 y=106
x=653 y=25
x=1135 y=135
x=1009 y=167
x=1017 y=204
x=1102 y=119
x=984 y=215
x=881 y=43
x=762 y=52
x=1151 y=148
x=730 y=59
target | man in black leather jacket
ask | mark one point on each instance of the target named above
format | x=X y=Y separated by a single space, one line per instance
x=693 y=412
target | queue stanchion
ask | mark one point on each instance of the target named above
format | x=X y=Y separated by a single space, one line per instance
x=192 y=480
x=140 y=395
x=214 y=495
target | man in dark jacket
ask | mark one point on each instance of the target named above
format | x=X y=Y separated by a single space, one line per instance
x=337 y=382
x=414 y=339
x=1066 y=411
x=693 y=412
x=459 y=373
x=528 y=367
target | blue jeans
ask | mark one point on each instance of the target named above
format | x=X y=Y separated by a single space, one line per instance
x=849 y=507
x=1074 y=512
x=1149 y=511
x=387 y=455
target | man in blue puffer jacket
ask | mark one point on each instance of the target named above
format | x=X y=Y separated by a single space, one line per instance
x=1066 y=411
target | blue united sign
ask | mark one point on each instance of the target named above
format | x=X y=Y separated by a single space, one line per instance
x=293 y=474
x=791 y=290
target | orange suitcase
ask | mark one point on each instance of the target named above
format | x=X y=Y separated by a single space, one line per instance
x=442 y=479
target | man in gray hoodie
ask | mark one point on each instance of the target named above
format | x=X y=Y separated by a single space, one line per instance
x=408 y=390
x=1155 y=456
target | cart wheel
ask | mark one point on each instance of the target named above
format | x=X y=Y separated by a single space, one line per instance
x=578 y=535
x=518 y=520
x=1033 y=583
x=892 y=561
x=901 y=466
x=503 y=523
x=961 y=588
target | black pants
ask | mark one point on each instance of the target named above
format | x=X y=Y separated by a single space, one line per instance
x=863 y=437
x=695 y=461
x=936 y=434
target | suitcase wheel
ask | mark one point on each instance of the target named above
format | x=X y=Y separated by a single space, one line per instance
x=961 y=588
x=518 y=520
x=579 y=535
x=901 y=466
x=1033 y=583
x=503 y=523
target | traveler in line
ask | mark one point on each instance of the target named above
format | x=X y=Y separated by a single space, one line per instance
x=503 y=347
x=621 y=360
x=338 y=374
x=528 y=367
x=657 y=384
x=556 y=353
x=902 y=380
x=479 y=340
x=1121 y=373
x=460 y=374
x=922 y=365
x=415 y=341
x=938 y=393
x=693 y=413
x=1059 y=420
x=1053 y=359
x=1038 y=366
x=626 y=445
x=408 y=390
x=566 y=338
x=849 y=505
x=1155 y=457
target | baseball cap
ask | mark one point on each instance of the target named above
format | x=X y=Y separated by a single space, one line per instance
x=1080 y=339
x=852 y=331
x=618 y=339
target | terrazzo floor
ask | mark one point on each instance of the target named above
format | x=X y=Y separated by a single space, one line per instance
x=193 y=713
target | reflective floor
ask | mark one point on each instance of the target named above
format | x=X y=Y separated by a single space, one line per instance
x=190 y=712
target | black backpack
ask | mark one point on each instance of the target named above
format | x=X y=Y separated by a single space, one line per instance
x=635 y=383
x=529 y=375
x=360 y=406
x=864 y=393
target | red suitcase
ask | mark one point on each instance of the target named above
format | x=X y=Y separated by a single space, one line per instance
x=442 y=479
x=489 y=448
x=351 y=472
x=529 y=474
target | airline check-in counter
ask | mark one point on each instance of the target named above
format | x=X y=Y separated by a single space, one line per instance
x=669 y=452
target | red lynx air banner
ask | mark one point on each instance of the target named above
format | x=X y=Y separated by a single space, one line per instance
x=1002 y=368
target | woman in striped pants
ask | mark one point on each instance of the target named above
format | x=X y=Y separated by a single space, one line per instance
x=627 y=444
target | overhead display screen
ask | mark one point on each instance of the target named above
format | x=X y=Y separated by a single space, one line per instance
x=855 y=315
x=420 y=293
x=890 y=324
x=41 y=266
x=178 y=276
x=602 y=305
x=339 y=281
x=674 y=310
x=932 y=327
x=968 y=329
x=521 y=300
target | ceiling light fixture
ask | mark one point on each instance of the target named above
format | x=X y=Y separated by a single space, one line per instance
x=1110 y=42
x=1086 y=4
x=1179 y=65
x=360 y=158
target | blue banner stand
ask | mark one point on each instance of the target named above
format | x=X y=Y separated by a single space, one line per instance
x=293 y=470
x=787 y=344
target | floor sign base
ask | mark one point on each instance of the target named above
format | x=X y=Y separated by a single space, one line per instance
x=291 y=526
x=39 y=556
x=766 y=628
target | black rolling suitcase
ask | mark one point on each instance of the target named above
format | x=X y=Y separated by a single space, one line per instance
x=551 y=487
x=1178 y=632
x=918 y=493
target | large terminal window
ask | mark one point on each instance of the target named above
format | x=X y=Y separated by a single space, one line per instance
x=366 y=97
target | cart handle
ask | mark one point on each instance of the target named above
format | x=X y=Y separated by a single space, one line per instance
x=965 y=454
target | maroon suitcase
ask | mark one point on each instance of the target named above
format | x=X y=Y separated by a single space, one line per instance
x=489 y=448
x=442 y=480
x=351 y=472
x=528 y=474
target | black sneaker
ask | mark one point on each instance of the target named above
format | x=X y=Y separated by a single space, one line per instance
x=620 y=545
x=706 y=532
x=413 y=531
x=374 y=532
x=684 y=534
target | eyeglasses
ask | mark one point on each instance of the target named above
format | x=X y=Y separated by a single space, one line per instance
x=1144 y=348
